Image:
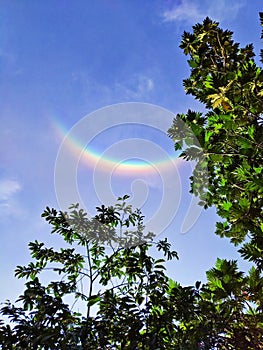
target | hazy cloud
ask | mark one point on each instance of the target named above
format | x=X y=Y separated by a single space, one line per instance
x=192 y=11
x=187 y=11
x=139 y=86
x=135 y=86
x=8 y=188
x=8 y=202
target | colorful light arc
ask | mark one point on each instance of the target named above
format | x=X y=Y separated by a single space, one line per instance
x=125 y=166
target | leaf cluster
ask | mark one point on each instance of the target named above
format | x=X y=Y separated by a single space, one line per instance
x=228 y=140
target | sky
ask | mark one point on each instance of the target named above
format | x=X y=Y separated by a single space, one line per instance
x=87 y=92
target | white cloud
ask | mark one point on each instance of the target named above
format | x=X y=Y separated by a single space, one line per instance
x=187 y=11
x=135 y=86
x=139 y=86
x=192 y=11
x=8 y=188
x=8 y=203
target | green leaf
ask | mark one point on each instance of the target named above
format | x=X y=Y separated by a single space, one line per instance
x=227 y=205
x=94 y=299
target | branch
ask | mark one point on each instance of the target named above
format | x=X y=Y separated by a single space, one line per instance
x=90 y=278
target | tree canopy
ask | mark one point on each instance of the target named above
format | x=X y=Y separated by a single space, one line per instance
x=127 y=299
x=230 y=84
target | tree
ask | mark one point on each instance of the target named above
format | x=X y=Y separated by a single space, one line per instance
x=227 y=80
x=127 y=285
x=228 y=174
x=127 y=299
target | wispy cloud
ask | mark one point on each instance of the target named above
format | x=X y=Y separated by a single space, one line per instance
x=187 y=11
x=132 y=87
x=138 y=86
x=191 y=11
x=8 y=190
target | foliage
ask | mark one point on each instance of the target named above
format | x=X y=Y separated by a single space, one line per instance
x=127 y=287
x=230 y=135
x=126 y=299
x=228 y=149
x=106 y=267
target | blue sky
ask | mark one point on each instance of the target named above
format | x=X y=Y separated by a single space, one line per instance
x=63 y=60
